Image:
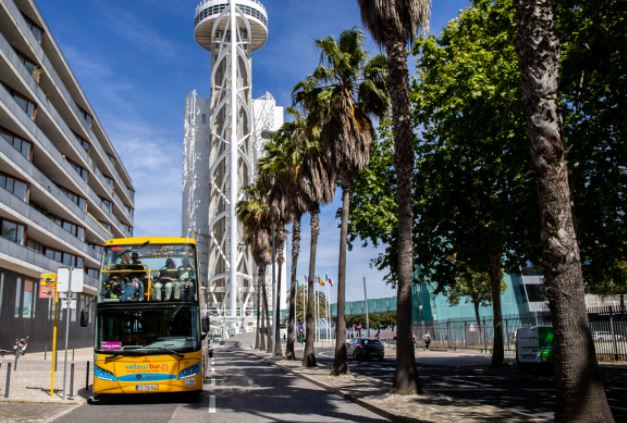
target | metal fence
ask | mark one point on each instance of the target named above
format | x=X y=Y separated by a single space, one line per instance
x=608 y=326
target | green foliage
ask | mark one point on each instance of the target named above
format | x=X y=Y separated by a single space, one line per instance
x=377 y=320
x=593 y=91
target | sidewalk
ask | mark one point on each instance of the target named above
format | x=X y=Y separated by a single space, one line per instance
x=29 y=397
x=374 y=394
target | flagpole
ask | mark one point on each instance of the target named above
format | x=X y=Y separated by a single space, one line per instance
x=317 y=297
x=329 y=319
x=305 y=306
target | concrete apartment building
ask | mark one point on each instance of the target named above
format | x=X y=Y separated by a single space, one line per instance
x=63 y=187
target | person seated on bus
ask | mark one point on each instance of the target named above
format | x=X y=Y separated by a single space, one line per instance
x=186 y=280
x=132 y=290
x=113 y=288
x=168 y=279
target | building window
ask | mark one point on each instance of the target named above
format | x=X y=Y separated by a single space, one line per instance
x=111 y=158
x=76 y=199
x=131 y=194
x=13 y=231
x=535 y=292
x=24 y=147
x=82 y=172
x=14 y=186
x=28 y=106
x=86 y=116
x=34 y=245
x=106 y=204
x=94 y=273
x=84 y=143
x=108 y=180
x=18 y=297
x=107 y=226
x=29 y=299
x=30 y=66
x=37 y=31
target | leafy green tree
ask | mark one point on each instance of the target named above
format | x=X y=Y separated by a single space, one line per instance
x=476 y=202
x=347 y=89
x=475 y=287
x=593 y=93
x=394 y=24
x=580 y=393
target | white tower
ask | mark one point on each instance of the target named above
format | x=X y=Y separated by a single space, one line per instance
x=231 y=30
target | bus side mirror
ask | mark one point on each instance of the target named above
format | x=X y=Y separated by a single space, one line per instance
x=84 y=318
x=204 y=323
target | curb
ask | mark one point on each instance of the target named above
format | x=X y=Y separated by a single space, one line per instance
x=62 y=413
x=381 y=412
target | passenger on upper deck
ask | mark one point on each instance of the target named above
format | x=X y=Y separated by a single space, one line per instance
x=186 y=280
x=168 y=278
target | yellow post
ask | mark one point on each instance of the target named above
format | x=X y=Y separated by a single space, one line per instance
x=50 y=280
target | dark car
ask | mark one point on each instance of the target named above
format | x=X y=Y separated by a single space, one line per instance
x=365 y=348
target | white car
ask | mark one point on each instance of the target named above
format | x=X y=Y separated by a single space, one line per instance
x=602 y=335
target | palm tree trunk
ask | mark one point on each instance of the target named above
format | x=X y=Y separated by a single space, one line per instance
x=496 y=277
x=406 y=376
x=264 y=294
x=579 y=387
x=277 y=308
x=340 y=361
x=477 y=317
x=258 y=331
x=309 y=356
x=289 y=348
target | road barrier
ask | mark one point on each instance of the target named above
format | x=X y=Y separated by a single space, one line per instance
x=87 y=377
x=608 y=326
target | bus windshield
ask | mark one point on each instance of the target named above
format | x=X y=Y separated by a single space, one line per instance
x=145 y=329
x=148 y=272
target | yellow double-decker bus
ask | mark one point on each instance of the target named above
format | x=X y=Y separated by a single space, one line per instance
x=148 y=323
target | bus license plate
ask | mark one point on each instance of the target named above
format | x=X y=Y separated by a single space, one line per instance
x=146 y=387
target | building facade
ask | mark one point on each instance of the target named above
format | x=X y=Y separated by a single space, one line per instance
x=63 y=187
x=222 y=144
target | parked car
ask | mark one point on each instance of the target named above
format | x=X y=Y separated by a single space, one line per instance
x=365 y=348
x=602 y=335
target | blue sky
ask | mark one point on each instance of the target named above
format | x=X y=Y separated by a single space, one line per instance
x=137 y=60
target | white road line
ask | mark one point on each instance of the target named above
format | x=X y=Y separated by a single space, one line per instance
x=212 y=403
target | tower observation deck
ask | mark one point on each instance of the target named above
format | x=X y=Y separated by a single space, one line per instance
x=231 y=30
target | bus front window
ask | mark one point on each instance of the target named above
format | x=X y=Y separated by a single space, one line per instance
x=148 y=273
x=148 y=329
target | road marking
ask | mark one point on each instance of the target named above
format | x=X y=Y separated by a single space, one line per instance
x=212 y=403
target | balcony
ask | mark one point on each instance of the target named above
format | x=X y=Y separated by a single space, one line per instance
x=52 y=192
x=50 y=71
x=35 y=219
x=31 y=263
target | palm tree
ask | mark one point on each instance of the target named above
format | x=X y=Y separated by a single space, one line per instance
x=255 y=216
x=316 y=182
x=394 y=24
x=580 y=394
x=279 y=168
x=350 y=89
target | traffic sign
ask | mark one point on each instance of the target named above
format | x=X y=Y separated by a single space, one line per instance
x=72 y=303
x=77 y=279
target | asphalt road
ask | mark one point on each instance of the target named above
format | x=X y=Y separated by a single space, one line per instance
x=240 y=388
x=529 y=393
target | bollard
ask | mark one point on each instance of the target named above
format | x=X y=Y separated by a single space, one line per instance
x=87 y=377
x=7 y=385
x=71 y=381
x=46 y=353
x=72 y=355
x=15 y=365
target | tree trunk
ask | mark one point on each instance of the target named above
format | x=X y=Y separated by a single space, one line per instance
x=262 y=337
x=291 y=339
x=258 y=332
x=309 y=356
x=406 y=380
x=264 y=294
x=340 y=361
x=580 y=393
x=477 y=317
x=280 y=243
x=496 y=278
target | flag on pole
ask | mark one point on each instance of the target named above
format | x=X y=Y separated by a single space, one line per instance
x=306 y=279
x=320 y=281
x=329 y=280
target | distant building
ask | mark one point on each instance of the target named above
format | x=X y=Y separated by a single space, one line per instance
x=63 y=187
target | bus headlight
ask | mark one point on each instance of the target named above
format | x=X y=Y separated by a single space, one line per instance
x=103 y=374
x=191 y=371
